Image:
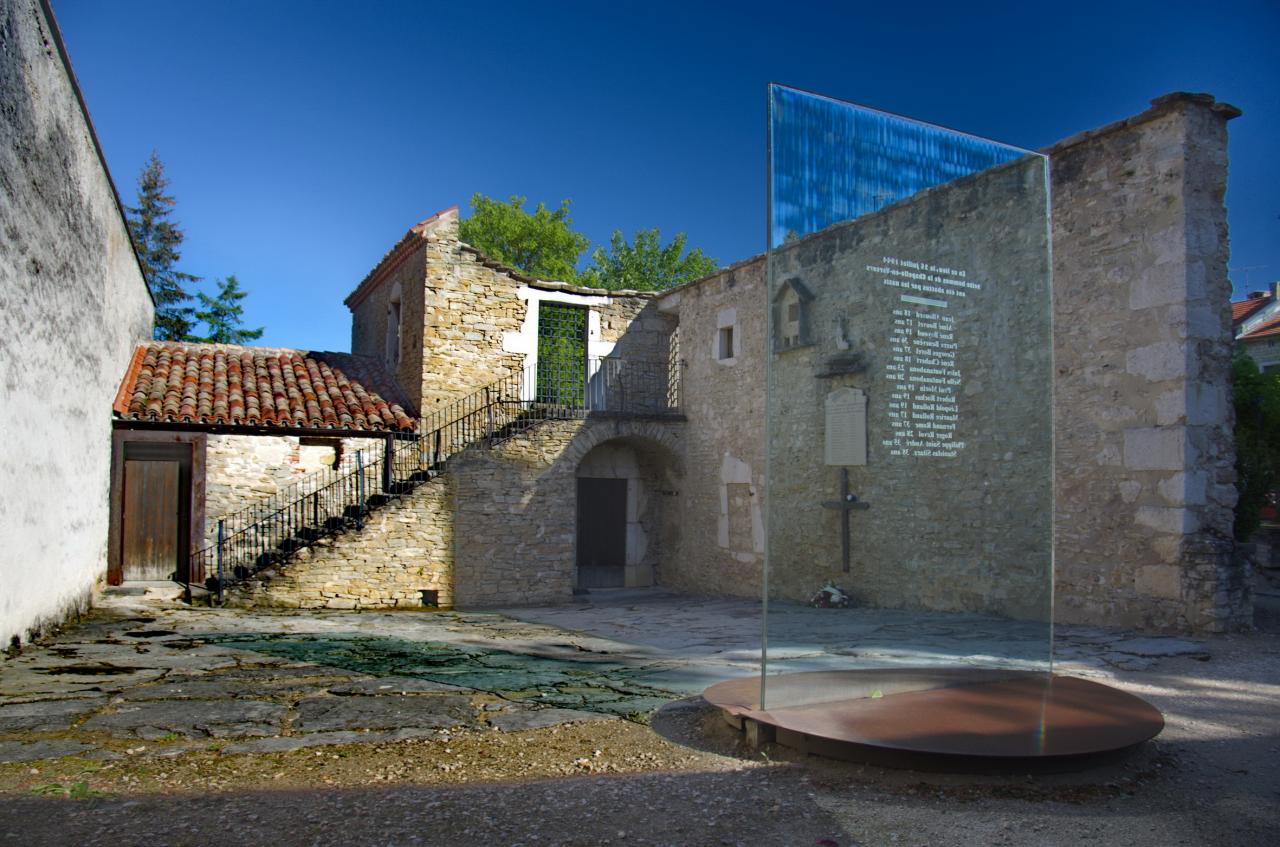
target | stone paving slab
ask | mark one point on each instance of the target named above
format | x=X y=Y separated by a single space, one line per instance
x=281 y=744
x=394 y=685
x=203 y=688
x=514 y=720
x=45 y=716
x=192 y=719
x=357 y=711
x=270 y=680
x=19 y=751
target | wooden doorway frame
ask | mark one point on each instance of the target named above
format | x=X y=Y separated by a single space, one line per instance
x=198 y=443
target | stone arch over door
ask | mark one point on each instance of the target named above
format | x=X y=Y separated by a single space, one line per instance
x=628 y=485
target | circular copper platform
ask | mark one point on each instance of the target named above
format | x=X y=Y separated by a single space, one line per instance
x=944 y=718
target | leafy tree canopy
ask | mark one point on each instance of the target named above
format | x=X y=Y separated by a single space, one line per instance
x=1257 y=404
x=644 y=264
x=541 y=243
x=156 y=239
x=224 y=316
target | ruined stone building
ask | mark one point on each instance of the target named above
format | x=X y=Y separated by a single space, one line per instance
x=644 y=461
x=494 y=439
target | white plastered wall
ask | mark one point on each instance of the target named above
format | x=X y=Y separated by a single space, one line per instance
x=73 y=307
x=525 y=342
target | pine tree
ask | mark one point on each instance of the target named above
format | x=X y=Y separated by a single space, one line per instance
x=156 y=240
x=223 y=314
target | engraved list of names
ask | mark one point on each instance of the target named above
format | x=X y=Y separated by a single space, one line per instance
x=923 y=374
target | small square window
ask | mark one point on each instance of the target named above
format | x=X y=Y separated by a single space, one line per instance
x=724 y=349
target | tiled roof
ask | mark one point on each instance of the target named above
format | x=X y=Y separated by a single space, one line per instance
x=223 y=384
x=1267 y=328
x=404 y=248
x=1242 y=309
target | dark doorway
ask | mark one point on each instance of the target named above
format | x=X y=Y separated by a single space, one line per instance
x=602 y=533
x=155 y=528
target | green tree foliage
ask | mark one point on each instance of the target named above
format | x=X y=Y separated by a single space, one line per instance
x=223 y=315
x=156 y=240
x=645 y=265
x=1257 y=404
x=540 y=244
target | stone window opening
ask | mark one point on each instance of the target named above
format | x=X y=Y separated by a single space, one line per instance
x=334 y=444
x=393 y=327
x=791 y=325
x=724 y=349
x=727 y=340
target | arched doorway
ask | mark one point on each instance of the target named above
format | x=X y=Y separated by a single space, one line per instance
x=625 y=517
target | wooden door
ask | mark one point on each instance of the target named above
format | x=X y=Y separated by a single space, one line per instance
x=602 y=533
x=155 y=511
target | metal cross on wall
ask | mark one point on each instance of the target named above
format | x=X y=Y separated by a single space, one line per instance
x=847 y=503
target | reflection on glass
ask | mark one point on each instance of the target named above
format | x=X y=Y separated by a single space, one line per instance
x=909 y=400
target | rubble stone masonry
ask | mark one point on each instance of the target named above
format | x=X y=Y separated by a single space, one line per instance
x=467 y=321
x=404 y=548
x=1144 y=481
x=1145 y=478
x=241 y=470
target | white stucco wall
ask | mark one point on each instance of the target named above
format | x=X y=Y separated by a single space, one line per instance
x=73 y=305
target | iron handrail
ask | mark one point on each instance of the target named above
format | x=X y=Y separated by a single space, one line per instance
x=268 y=532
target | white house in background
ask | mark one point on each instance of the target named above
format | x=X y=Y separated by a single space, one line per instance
x=1256 y=322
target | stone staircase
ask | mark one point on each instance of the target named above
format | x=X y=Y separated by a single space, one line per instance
x=333 y=508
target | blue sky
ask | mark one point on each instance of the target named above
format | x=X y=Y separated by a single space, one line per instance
x=303 y=139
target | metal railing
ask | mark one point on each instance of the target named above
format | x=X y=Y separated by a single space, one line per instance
x=268 y=532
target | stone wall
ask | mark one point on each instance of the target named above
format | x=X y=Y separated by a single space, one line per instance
x=498 y=528
x=404 y=548
x=515 y=524
x=401 y=275
x=722 y=498
x=1145 y=485
x=243 y=470
x=467 y=321
x=957 y=380
x=73 y=305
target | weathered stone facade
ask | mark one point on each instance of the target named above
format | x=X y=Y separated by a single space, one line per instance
x=404 y=548
x=516 y=528
x=73 y=305
x=1144 y=483
x=1145 y=479
x=960 y=509
x=243 y=470
x=497 y=528
x=1143 y=486
x=466 y=321
x=722 y=500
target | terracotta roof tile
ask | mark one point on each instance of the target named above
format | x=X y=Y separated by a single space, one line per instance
x=226 y=385
x=1268 y=328
x=1242 y=309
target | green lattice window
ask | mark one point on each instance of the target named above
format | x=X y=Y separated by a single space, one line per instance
x=562 y=355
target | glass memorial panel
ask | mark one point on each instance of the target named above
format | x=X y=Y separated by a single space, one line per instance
x=909 y=430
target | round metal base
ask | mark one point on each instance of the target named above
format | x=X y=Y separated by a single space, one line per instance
x=943 y=718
